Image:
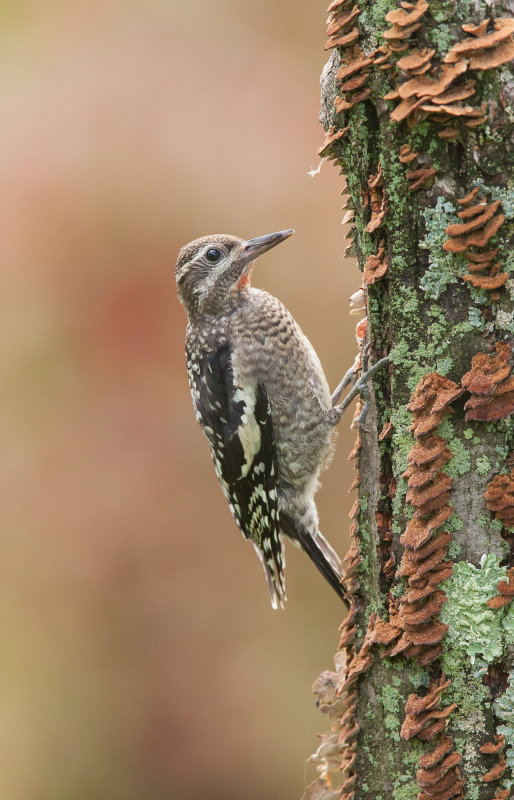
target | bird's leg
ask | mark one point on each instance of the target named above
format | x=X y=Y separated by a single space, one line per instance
x=348 y=378
x=359 y=387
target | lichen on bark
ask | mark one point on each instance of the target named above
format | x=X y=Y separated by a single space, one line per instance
x=417 y=106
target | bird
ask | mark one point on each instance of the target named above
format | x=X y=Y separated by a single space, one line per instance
x=262 y=399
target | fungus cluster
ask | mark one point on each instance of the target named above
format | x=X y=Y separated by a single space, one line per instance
x=438 y=774
x=439 y=95
x=326 y=149
x=413 y=628
x=499 y=497
x=404 y=21
x=424 y=561
x=419 y=177
x=495 y=748
x=347 y=207
x=353 y=75
x=435 y=96
x=506 y=592
x=340 y=29
x=376 y=199
x=485 y=51
x=406 y=154
x=480 y=221
x=337 y=691
x=327 y=757
x=376 y=265
x=490 y=385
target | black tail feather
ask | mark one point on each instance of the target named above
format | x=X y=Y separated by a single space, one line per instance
x=319 y=551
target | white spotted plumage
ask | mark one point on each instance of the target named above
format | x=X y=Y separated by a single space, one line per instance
x=262 y=400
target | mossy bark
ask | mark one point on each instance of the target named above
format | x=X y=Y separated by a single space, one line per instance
x=432 y=311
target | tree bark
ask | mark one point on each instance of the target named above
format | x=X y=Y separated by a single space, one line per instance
x=418 y=113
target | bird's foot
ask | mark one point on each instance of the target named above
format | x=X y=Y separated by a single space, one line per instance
x=360 y=386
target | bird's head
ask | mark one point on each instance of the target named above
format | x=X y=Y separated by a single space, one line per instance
x=213 y=272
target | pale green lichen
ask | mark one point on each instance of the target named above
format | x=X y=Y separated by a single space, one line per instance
x=473 y=626
x=499 y=193
x=454 y=523
x=504 y=709
x=391 y=699
x=482 y=465
x=403 y=439
x=445 y=428
x=418 y=676
x=505 y=320
x=407 y=791
x=476 y=318
x=460 y=463
x=467 y=721
x=441 y=269
x=454 y=550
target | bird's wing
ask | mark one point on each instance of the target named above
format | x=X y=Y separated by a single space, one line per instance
x=238 y=424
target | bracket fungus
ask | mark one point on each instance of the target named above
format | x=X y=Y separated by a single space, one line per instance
x=376 y=265
x=480 y=222
x=339 y=24
x=485 y=51
x=438 y=775
x=490 y=385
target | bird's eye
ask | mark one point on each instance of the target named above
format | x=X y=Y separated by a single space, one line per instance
x=213 y=254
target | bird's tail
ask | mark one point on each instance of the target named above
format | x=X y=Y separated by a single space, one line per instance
x=321 y=553
x=273 y=566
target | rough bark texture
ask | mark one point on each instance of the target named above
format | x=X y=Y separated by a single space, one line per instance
x=417 y=104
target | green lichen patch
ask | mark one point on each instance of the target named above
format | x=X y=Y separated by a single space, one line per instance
x=403 y=439
x=504 y=708
x=467 y=722
x=473 y=626
x=482 y=465
x=441 y=270
x=406 y=791
x=460 y=463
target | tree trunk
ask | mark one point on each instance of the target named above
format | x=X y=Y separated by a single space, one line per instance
x=417 y=106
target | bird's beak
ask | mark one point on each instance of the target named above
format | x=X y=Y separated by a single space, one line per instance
x=255 y=247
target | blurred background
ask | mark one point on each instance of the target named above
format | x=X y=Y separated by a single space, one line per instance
x=140 y=656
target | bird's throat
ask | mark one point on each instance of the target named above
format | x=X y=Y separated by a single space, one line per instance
x=245 y=278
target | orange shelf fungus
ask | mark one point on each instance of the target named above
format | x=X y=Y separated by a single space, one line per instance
x=353 y=75
x=337 y=691
x=480 y=221
x=486 y=51
x=378 y=202
x=448 y=133
x=490 y=385
x=496 y=748
x=340 y=28
x=435 y=95
x=476 y=30
x=332 y=136
x=376 y=266
x=404 y=21
x=419 y=177
x=506 y=589
x=439 y=773
x=406 y=154
x=496 y=772
x=499 y=497
x=416 y=60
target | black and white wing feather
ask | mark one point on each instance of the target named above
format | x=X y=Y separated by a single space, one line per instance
x=238 y=424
